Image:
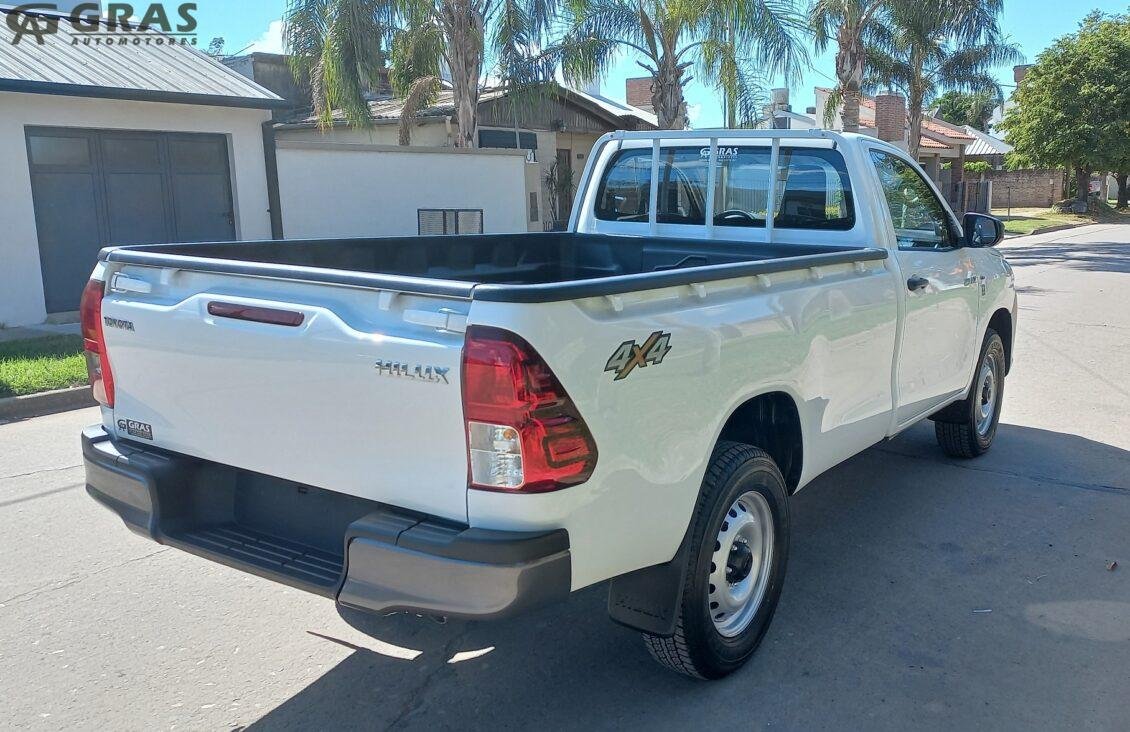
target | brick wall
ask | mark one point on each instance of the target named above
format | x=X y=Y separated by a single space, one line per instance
x=890 y=117
x=1030 y=188
x=638 y=92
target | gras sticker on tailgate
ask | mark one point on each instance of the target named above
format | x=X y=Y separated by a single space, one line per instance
x=135 y=429
x=629 y=354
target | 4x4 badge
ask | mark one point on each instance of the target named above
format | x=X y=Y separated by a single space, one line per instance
x=628 y=355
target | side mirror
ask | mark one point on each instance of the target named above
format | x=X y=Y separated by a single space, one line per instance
x=981 y=230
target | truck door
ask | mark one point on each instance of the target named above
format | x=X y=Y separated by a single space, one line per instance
x=938 y=342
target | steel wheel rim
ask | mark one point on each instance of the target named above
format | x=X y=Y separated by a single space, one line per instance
x=740 y=564
x=987 y=396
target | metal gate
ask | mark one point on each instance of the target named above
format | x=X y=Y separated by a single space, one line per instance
x=92 y=188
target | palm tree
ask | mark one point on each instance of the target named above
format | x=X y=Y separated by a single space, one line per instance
x=852 y=23
x=730 y=43
x=339 y=47
x=952 y=45
x=340 y=44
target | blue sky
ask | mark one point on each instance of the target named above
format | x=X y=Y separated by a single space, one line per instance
x=1034 y=24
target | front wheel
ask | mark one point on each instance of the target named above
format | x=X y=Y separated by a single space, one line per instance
x=967 y=429
x=736 y=565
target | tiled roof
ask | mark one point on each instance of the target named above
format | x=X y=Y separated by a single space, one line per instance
x=942 y=127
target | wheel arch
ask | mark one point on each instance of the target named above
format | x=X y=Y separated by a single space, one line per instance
x=1001 y=322
x=770 y=420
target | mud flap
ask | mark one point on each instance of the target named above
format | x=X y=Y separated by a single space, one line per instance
x=648 y=599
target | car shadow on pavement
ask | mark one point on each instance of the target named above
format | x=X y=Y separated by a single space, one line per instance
x=920 y=589
x=1091 y=256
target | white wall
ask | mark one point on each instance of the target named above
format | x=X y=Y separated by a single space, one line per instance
x=345 y=189
x=430 y=132
x=21 y=283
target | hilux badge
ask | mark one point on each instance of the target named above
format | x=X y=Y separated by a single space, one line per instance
x=416 y=372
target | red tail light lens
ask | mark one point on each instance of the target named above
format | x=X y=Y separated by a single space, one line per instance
x=524 y=433
x=94 y=345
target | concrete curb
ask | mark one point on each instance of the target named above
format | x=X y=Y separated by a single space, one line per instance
x=48 y=402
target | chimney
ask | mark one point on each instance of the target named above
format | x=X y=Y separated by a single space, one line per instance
x=1019 y=72
x=890 y=118
x=638 y=92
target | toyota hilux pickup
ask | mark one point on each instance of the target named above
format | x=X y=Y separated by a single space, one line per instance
x=471 y=426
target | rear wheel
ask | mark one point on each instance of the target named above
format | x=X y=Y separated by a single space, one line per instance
x=967 y=429
x=736 y=565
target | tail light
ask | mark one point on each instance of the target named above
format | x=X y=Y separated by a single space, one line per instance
x=94 y=344
x=524 y=433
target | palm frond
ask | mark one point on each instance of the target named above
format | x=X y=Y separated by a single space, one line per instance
x=421 y=95
x=772 y=34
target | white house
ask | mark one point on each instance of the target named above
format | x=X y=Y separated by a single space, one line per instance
x=118 y=142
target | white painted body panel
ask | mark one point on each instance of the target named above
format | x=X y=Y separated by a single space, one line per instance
x=304 y=403
x=860 y=359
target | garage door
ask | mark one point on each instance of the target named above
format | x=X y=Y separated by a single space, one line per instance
x=96 y=187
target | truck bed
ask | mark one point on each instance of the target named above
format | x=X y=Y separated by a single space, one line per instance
x=500 y=267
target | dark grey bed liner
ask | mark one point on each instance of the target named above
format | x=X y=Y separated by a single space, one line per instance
x=495 y=267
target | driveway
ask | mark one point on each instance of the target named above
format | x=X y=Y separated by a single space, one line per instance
x=922 y=591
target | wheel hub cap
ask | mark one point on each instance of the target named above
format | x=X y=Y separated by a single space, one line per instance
x=988 y=401
x=740 y=564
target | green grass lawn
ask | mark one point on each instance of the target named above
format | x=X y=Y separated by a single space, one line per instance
x=1027 y=220
x=41 y=364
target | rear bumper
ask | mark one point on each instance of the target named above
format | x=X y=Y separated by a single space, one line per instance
x=364 y=554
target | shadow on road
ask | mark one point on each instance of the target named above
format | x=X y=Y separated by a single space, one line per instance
x=1091 y=256
x=919 y=589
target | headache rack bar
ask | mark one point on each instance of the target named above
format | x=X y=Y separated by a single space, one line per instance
x=711 y=136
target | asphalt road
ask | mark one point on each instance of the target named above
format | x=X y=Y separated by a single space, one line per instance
x=922 y=591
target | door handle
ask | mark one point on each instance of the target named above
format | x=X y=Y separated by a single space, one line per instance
x=916 y=283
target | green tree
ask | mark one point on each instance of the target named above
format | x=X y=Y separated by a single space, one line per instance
x=728 y=42
x=954 y=44
x=1073 y=107
x=853 y=24
x=341 y=45
x=338 y=46
x=961 y=108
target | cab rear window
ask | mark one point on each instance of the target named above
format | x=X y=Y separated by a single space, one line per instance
x=813 y=191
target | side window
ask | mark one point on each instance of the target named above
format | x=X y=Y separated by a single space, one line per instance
x=920 y=219
x=625 y=190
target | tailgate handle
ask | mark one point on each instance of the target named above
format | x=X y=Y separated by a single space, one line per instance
x=271 y=316
x=124 y=283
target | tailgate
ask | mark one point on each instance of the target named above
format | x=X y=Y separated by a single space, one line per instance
x=348 y=389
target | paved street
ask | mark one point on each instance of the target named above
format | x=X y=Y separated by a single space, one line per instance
x=922 y=591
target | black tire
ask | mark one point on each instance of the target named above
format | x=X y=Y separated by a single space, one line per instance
x=697 y=648
x=956 y=427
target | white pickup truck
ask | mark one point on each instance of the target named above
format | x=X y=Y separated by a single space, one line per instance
x=474 y=425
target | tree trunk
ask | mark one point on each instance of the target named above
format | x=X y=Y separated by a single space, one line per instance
x=849 y=74
x=465 y=62
x=914 y=116
x=1123 y=193
x=1082 y=188
x=667 y=95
